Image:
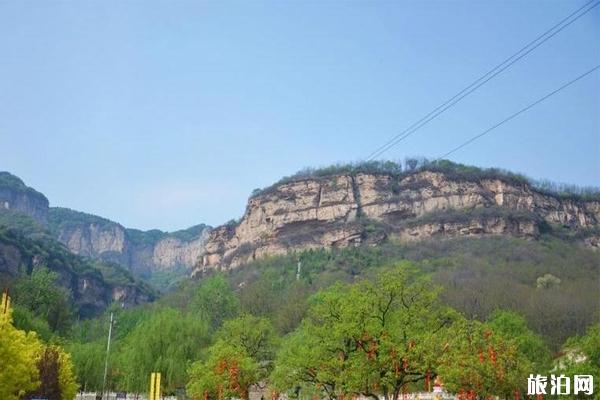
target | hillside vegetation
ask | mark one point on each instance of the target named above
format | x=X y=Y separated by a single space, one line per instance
x=535 y=295
x=27 y=245
x=478 y=276
x=13 y=183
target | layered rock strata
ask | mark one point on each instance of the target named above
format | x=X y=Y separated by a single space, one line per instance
x=349 y=209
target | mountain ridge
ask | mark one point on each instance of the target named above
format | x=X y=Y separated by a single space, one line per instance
x=367 y=203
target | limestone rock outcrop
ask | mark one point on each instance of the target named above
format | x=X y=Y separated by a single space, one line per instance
x=349 y=209
x=143 y=252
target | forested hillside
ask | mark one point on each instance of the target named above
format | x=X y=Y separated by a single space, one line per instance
x=545 y=290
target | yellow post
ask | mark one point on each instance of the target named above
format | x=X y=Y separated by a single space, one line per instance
x=157 y=389
x=152 y=382
x=154 y=386
x=5 y=302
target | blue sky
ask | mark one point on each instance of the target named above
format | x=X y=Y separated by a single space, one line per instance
x=161 y=114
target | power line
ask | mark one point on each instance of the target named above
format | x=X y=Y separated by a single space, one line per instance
x=484 y=79
x=521 y=111
x=477 y=83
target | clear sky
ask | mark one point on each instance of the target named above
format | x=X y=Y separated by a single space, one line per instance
x=164 y=114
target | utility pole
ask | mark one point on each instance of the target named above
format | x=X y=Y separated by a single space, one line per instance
x=107 y=352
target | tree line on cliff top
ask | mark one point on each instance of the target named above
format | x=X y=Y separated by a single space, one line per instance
x=452 y=170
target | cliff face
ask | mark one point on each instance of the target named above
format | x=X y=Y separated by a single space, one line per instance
x=143 y=252
x=348 y=209
x=16 y=196
x=95 y=237
x=90 y=289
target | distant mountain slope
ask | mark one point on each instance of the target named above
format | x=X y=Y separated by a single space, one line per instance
x=157 y=256
x=369 y=202
x=144 y=252
x=16 y=196
x=26 y=244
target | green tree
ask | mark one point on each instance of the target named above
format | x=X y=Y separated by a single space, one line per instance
x=215 y=302
x=369 y=338
x=291 y=307
x=40 y=293
x=165 y=342
x=254 y=336
x=481 y=363
x=27 y=320
x=88 y=360
x=66 y=375
x=511 y=325
x=228 y=372
x=19 y=352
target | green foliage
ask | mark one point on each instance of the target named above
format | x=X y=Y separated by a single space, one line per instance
x=387 y=335
x=40 y=294
x=9 y=182
x=254 y=336
x=28 y=321
x=168 y=280
x=19 y=354
x=60 y=219
x=66 y=376
x=214 y=301
x=369 y=338
x=483 y=363
x=167 y=341
x=548 y=281
x=227 y=373
x=145 y=238
x=88 y=361
x=21 y=223
x=511 y=325
x=189 y=234
x=87 y=343
x=477 y=277
x=32 y=251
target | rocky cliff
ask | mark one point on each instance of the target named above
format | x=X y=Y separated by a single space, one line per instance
x=92 y=285
x=16 y=196
x=144 y=252
x=351 y=208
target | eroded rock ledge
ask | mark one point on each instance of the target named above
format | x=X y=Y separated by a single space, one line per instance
x=349 y=209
